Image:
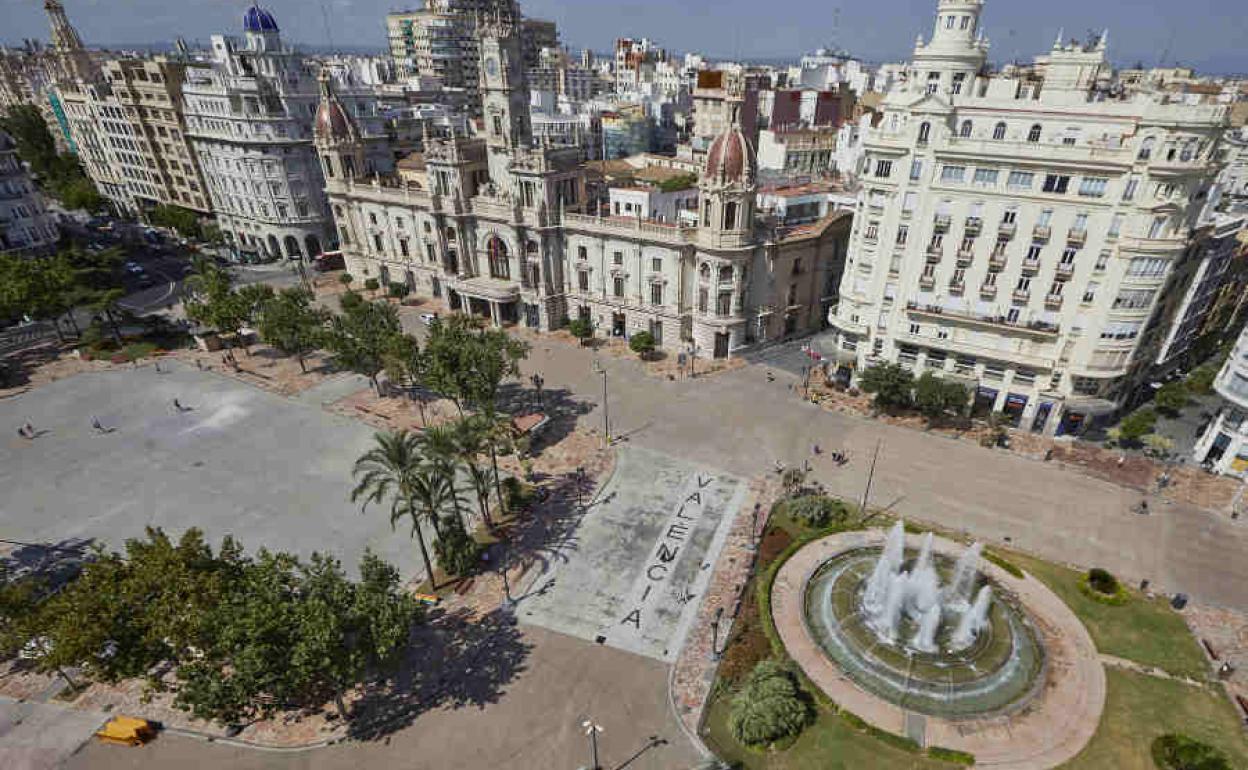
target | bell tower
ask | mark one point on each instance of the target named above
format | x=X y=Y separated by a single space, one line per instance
x=336 y=137
x=72 y=57
x=504 y=88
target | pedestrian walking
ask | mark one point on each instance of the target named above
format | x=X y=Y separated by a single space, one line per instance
x=157 y=363
x=21 y=431
x=95 y=423
x=199 y=365
x=178 y=405
x=30 y=430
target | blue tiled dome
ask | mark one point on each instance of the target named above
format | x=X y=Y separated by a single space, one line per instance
x=256 y=19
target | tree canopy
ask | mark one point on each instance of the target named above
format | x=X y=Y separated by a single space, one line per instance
x=361 y=336
x=892 y=385
x=290 y=323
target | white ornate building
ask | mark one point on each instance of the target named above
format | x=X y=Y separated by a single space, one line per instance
x=249 y=117
x=1224 y=444
x=1015 y=230
x=25 y=225
x=492 y=223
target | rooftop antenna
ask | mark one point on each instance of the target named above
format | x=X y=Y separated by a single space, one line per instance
x=1165 y=52
x=329 y=35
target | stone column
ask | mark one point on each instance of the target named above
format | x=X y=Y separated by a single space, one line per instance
x=495 y=314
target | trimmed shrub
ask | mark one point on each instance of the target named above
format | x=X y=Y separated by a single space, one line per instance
x=372 y=284
x=581 y=328
x=1001 y=562
x=1179 y=752
x=951 y=755
x=398 y=289
x=350 y=300
x=769 y=707
x=642 y=343
x=1102 y=581
x=815 y=511
x=455 y=549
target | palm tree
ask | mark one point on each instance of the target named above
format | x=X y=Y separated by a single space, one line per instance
x=470 y=441
x=395 y=469
x=441 y=449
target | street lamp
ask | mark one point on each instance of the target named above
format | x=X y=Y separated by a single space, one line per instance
x=538 y=382
x=592 y=731
x=693 y=359
x=580 y=482
x=754 y=527
x=719 y=614
x=606 y=407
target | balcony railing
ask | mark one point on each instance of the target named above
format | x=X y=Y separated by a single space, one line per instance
x=942 y=222
x=965 y=256
x=927 y=281
x=998 y=320
x=1021 y=295
x=988 y=292
x=1065 y=270
x=957 y=287
x=1031 y=265
x=997 y=262
x=1042 y=232
x=1079 y=236
x=974 y=224
x=1053 y=301
x=1007 y=228
x=935 y=251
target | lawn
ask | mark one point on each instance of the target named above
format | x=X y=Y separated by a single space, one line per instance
x=830 y=743
x=1145 y=631
x=1139 y=708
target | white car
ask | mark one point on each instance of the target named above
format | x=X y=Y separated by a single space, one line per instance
x=428 y=318
x=134 y=268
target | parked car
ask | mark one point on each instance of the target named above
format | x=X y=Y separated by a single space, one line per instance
x=330 y=260
x=428 y=318
x=134 y=268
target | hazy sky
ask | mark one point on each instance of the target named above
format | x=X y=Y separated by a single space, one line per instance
x=1211 y=35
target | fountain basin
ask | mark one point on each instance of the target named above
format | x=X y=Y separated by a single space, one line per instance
x=994 y=673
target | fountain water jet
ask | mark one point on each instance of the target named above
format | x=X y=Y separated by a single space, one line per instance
x=925 y=638
x=964 y=572
x=973 y=620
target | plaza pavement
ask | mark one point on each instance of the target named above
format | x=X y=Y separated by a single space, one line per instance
x=740 y=423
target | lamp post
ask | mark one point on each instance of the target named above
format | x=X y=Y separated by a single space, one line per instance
x=693 y=360
x=606 y=406
x=754 y=527
x=580 y=482
x=538 y=382
x=719 y=614
x=592 y=731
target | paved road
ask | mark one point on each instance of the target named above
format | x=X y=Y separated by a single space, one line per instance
x=741 y=423
x=533 y=722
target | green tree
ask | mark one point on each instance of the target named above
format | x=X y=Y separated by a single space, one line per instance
x=1137 y=425
x=1179 y=752
x=292 y=325
x=440 y=446
x=396 y=470
x=360 y=337
x=472 y=437
x=1171 y=398
x=372 y=285
x=768 y=707
x=457 y=552
x=581 y=328
x=642 y=343
x=892 y=385
x=345 y=279
x=936 y=398
x=59 y=174
x=397 y=290
x=212 y=301
x=184 y=221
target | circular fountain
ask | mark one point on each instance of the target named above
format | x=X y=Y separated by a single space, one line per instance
x=924 y=630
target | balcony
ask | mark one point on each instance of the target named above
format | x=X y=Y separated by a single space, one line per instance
x=965 y=256
x=973 y=225
x=942 y=223
x=934 y=252
x=957 y=287
x=1021 y=295
x=988 y=292
x=1007 y=228
x=996 y=262
x=927 y=281
x=1077 y=236
x=1042 y=232
x=1053 y=301
x=1031 y=265
x=1032 y=328
x=1065 y=271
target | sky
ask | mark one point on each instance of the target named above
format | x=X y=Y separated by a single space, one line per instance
x=1210 y=35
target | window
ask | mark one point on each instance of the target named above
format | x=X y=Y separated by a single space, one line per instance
x=1092 y=187
x=953 y=173
x=656 y=293
x=1115 y=226
x=1125 y=330
x=873 y=231
x=403 y=246
x=1146 y=148
x=1020 y=180
x=994 y=371
x=723 y=302
x=1102 y=262
x=998 y=131
x=1034 y=250
x=908 y=355
x=1056 y=289
x=916 y=329
x=582 y=252
x=964 y=365
x=949 y=21
x=990 y=278
x=725 y=274
x=1157 y=228
x=925 y=132
x=903 y=233
x=703 y=297
x=1012 y=315
x=884 y=168
x=1081 y=223
x=1089 y=293
x=1056 y=183
x=1034 y=134
x=377 y=242
x=617 y=258
x=1023 y=285
x=1010 y=216
x=968 y=244
x=986 y=177
x=959 y=276
x=1133 y=299
x=965 y=130
x=909 y=201
x=1147 y=267
x=582 y=280
x=916 y=169
x=998 y=250
x=1046 y=217
x=1128 y=192
x=617 y=286
x=372 y=219
x=429 y=253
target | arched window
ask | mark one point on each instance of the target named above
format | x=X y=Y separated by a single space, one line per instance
x=450 y=234
x=925 y=132
x=1034 y=134
x=725 y=274
x=704 y=272
x=730 y=215
x=530 y=248
x=292 y=246
x=313 y=245
x=998 y=131
x=497 y=252
x=965 y=131
x=1146 y=148
x=274 y=251
x=582 y=252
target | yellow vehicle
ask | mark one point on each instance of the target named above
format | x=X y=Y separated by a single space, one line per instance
x=126 y=731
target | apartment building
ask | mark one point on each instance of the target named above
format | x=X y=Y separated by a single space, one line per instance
x=1015 y=230
x=497 y=225
x=249 y=117
x=1223 y=447
x=26 y=227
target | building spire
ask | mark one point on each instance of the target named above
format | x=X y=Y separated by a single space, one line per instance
x=1061 y=33
x=75 y=62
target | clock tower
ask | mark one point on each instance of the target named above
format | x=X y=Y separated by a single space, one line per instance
x=504 y=88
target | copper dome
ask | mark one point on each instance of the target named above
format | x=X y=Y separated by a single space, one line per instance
x=730 y=158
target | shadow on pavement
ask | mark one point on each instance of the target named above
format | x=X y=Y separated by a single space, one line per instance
x=454 y=661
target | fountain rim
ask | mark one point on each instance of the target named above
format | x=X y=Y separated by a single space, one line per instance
x=1001 y=592
x=1061 y=718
